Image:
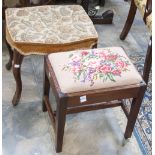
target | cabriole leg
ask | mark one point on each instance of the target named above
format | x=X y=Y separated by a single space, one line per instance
x=17 y=61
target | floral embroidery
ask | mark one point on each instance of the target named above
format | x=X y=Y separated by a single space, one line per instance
x=88 y=66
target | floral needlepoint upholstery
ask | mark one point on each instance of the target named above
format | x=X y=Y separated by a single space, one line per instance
x=93 y=69
x=49 y=28
x=141 y=4
x=149 y=23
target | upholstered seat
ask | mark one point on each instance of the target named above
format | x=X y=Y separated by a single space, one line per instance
x=141 y=4
x=149 y=23
x=46 y=29
x=84 y=70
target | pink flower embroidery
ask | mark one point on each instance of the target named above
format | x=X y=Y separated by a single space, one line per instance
x=88 y=66
x=94 y=64
x=121 y=64
x=116 y=72
x=105 y=69
x=112 y=57
x=102 y=55
x=75 y=69
x=84 y=53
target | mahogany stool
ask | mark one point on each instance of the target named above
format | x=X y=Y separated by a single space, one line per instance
x=45 y=29
x=84 y=80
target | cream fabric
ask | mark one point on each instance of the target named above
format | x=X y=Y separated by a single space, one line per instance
x=31 y=28
x=141 y=4
x=84 y=70
x=149 y=23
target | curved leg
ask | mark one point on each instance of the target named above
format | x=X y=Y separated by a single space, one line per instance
x=135 y=107
x=46 y=87
x=148 y=62
x=129 y=20
x=17 y=61
x=9 y=64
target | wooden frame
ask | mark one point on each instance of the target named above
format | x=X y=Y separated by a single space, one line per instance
x=15 y=61
x=131 y=16
x=96 y=99
x=127 y=27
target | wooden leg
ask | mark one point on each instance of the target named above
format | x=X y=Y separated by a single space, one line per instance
x=46 y=88
x=135 y=107
x=129 y=20
x=9 y=64
x=148 y=62
x=60 y=123
x=17 y=61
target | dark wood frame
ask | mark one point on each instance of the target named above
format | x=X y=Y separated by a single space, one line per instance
x=131 y=16
x=15 y=61
x=127 y=27
x=96 y=99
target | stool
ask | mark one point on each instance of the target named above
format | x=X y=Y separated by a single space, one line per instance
x=85 y=80
x=45 y=29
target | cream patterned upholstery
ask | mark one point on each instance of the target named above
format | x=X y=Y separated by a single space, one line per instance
x=149 y=23
x=84 y=70
x=46 y=29
x=141 y=4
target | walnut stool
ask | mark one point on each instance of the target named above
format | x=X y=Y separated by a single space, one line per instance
x=45 y=29
x=84 y=80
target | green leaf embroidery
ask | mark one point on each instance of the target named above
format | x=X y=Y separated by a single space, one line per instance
x=111 y=77
x=70 y=55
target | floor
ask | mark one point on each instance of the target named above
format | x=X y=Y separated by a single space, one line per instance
x=27 y=130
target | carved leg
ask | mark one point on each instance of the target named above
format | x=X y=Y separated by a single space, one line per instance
x=9 y=64
x=135 y=106
x=129 y=20
x=148 y=62
x=46 y=87
x=60 y=123
x=17 y=61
